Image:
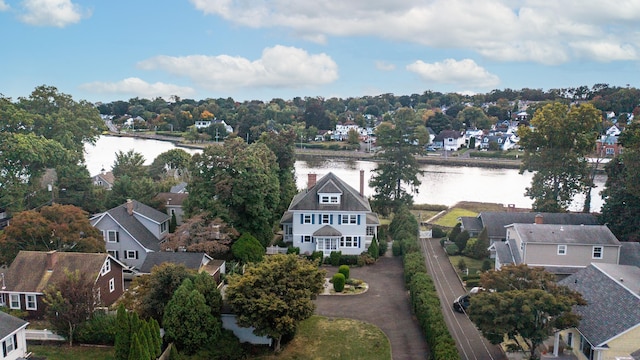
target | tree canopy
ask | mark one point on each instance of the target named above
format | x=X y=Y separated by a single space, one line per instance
x=275 y=295
x=523 y=302
x=556 y=149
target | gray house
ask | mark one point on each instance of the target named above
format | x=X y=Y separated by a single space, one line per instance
x=131 y=231
x=610 y=322
x=560 y=249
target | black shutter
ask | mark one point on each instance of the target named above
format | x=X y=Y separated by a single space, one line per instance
x=4 y=349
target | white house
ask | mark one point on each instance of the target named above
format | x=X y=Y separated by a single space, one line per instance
x=12 y=337
x=330 y=216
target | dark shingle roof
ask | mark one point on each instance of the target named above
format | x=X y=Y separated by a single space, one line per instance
x=496 y=221
x=327 y=230
x=9 y=324
x=134 y=227
x=172 y=199
x=372 y=219
x=190 y=260
x=613 y=306
x=329 y=188
x=630 y=253
x=350 y=200
x=28 y=271
x=566 y=234
x=471 y=223
x=507 y=252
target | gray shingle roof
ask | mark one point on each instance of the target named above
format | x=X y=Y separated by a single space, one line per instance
x=496 y=221
x=9 y=324
x=566 y=234
x=507 y=252
x=630 y=253
x=329 y=188
x=179 y=189
x=372 y=219
x=350 y=200
x=327 y=230
x=190 y=260
x=134 y=227
x=613 y=306
x=471 y=223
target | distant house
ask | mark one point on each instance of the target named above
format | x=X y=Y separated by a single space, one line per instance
x=608 y=146
x=330 y=216
x=12 y=337
x=202 y=124
x=560 y=249
x=131 y=231
x=227 y=127
x=180 y=188
x=173 y=204
x=496 y=221
x=502 y=142
x=449 y=140
x=31 y=272
x=610 y=322
x=105 y=179
x=197 y=262
x=4 y=218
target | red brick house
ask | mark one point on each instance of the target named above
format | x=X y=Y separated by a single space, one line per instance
x=24 y=282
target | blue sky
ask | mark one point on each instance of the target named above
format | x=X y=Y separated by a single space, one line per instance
x=106 y=50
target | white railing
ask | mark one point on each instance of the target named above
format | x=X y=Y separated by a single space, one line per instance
x=273 y=250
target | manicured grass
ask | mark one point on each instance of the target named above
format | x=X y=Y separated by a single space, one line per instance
x=323 y=338
x=64 y=352
x=473 y=265
x=450 y=219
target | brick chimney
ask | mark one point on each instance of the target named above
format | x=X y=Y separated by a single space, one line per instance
x=52 y=259
x=362 y=183
x=539 y=219
x=311 y=180
x=129 y=207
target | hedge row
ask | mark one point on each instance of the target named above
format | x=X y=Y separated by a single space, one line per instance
x=424 y=298
x=429 y=207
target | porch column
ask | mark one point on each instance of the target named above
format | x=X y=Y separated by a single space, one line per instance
x=556 y=343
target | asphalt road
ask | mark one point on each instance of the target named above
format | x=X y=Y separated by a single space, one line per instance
x=470 y=343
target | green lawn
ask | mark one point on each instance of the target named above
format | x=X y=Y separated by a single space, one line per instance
x=323 y=338
x=473 y=265
x=64 y=352
x=450 y=219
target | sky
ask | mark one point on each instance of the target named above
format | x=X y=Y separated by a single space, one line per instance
x=108 y=50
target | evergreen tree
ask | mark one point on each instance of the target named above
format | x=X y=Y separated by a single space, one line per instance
x=453 y=234
x=373 y=249
x=151 y=344
x=173 y=223
x=123 y=334
x=461 y=240
x=135 y=352
x=206 y=285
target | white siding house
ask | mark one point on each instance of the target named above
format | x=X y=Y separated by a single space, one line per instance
x=330 y=216
x=12 y=337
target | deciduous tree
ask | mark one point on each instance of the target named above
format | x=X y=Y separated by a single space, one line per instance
x=200 y=233
x=556 y=149
x=130 y=163
x=247 y=249
x=523 y=302
x=275 y=295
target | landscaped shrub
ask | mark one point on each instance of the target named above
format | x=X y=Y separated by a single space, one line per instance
x=316 y=256
x=344 y=270
x=452 y=249
x=334 y=258
x=293 y=250
x=338 y=282
x=453 y=234
x=429 y=207
x=486 y=265
x=247 y=249
x=461 y=264
x=348 y=260
x=382 y=247
x=442 y=241
x=472 y=283
x=413 y=264
x=100 y=329
x=396 y=248
x=462 y=239
x=437 y=232
x=373 y=249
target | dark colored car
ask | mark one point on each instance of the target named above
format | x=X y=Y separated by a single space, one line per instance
x=461 y=303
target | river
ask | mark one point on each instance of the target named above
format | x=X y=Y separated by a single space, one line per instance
x=441 y=184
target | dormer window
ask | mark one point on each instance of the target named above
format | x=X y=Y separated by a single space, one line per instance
x=330 y=199
x=329 y=193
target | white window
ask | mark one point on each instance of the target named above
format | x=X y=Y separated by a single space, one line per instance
x=597 y=252
x=113 y=236
x=349 y=241
x=610 y=151
x=14 y=301
x=329 y=199
x=325 y=219
x=31 y=302
x=371 y=230
x=114 y=253
x=106 y=267
x=350 y=219
x=131 y=254
x=562 y=249
x=306 y=219
x=9 y=345
x=112 y=285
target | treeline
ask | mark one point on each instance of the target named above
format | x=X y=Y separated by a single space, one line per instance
x=251 y=118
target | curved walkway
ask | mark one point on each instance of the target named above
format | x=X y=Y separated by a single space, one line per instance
x=385 y=304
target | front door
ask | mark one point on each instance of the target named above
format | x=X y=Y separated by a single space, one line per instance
x=327 y=245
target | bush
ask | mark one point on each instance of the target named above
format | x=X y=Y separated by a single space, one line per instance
x=486 y=265
x=452 y=249
x=247 y=249
x=396 y=248
x=100 y=329
x=348 y=260
x=344 y=270
x=334 y=258
x=429 y=207
x=316 y=256
x=442 y=241
x=462 y=264
x=437 y=232
x=382 y=247
x=293 y=250
x=374 y=250
x=338 y=282
x=472 y=283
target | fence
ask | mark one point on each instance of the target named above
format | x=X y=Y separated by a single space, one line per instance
x=42 y=335
x=273 y=250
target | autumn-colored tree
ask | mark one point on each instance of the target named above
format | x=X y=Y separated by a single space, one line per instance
x=202 y=234
x=56 y=227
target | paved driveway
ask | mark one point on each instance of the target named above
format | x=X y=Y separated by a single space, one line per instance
x=385 y=304
x=471 y=345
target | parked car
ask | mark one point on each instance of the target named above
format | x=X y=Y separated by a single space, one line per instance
x=431 y=148
x=461 y=303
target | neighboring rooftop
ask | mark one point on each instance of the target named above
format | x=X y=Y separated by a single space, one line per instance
x=566 y=234
x=190 y=260
x=9 y=324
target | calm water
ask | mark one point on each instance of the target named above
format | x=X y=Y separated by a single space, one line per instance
x=440 y=184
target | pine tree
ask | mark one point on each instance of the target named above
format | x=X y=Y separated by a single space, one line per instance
x=373 y=249
x=123 y=334
x=155 y=334
x=135 y=352
x=151 y=344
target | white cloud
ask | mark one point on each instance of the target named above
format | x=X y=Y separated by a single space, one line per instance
x=464 y=72
x=138 y=87
x=3 y=6
x=605 y=51
x=385 y=66
x=279 y=66
x=505 y=30
x=58 y=13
